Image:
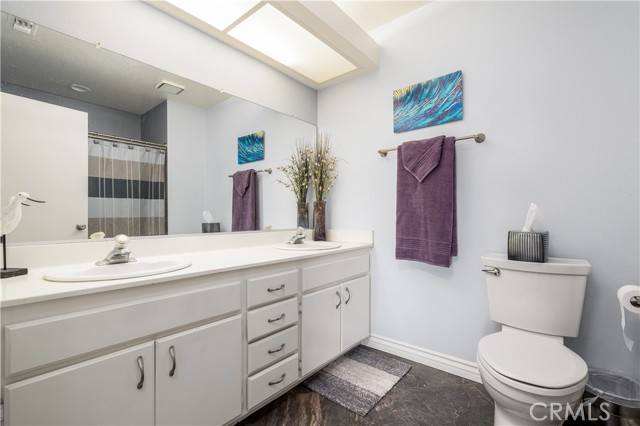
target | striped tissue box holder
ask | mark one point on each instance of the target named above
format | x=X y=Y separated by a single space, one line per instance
x=528 y=246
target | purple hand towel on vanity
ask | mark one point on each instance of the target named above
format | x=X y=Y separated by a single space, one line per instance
x=426 y=201
x=244 y=207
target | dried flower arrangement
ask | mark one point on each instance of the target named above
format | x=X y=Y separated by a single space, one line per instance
x=323 y=167
x=298 y=171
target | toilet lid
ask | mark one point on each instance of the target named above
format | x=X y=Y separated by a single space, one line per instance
x=534 y=360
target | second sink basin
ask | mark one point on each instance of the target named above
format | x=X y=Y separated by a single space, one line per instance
x=309 y=245
x=92 y=272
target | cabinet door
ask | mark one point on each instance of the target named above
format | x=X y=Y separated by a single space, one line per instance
x=355 y=311
x=111 y=389
x=198 y=375
x=320 y=327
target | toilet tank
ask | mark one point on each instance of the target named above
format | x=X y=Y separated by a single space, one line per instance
x=540 y=297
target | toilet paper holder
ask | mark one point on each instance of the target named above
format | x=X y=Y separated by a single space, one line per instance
x=635 y=301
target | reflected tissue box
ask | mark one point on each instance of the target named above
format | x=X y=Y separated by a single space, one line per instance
x=528 y=246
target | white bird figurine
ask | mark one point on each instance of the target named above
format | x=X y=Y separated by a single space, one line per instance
x=11 y=214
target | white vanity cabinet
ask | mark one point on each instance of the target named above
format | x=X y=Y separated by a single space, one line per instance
x=199 y=375
x=272 y=334
x=336 y=317
x=192 y=376
x=116 y=389
x=205 y=349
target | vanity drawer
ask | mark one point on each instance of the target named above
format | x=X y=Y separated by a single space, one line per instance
x=268 y=382
x=336 y=271
x=272 y=348
x=271 y=318
x=35 y=343
x=271 y=288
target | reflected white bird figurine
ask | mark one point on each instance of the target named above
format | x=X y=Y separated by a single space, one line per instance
x=11 y=214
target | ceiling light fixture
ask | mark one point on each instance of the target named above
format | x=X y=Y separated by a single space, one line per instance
x=272 y=33
x=168 y=87
x=219 y=14
x=79 y=88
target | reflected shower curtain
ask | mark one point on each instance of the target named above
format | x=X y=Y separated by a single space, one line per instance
x=127 y=189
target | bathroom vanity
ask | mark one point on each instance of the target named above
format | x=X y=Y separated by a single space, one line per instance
x=203 y=345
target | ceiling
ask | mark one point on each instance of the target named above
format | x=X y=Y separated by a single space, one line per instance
x=370 y=15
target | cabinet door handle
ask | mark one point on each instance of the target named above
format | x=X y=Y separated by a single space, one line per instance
x=172 y=353
x=272 y=289
x=339 y=298
x=273 y=351
x=278 y=381
x=276 y=319
x=348 y=294
x=140 y=362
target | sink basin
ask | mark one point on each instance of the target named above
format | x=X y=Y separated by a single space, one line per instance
x=309 y=245
x=92 y=272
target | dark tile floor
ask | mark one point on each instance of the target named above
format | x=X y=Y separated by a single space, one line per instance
x=425 y=396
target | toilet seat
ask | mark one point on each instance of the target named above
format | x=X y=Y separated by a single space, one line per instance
x=531 y=360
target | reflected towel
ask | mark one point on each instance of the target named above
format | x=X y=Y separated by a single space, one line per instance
x=244 y=207
x=426 y=201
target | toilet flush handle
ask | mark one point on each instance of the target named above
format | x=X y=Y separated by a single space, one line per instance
x=494 y=271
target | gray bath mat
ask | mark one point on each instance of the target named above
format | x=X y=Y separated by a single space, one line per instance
x=359 y=379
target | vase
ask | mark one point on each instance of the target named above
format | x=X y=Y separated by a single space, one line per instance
x=303 y=214
x=319 y=217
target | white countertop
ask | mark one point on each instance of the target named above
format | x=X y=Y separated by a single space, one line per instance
x=33 y=288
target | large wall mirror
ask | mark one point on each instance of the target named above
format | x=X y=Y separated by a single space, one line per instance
x=71 y=88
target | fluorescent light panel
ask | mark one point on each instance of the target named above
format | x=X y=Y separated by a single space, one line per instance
x=218 y=13
x=272 y=33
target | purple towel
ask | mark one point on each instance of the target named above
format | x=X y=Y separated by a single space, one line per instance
x=426 y=201
x=244 y=208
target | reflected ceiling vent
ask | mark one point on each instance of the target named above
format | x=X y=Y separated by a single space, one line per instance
x=168 y=87
x=24 y=26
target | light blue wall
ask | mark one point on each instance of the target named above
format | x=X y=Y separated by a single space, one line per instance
x=554 y=86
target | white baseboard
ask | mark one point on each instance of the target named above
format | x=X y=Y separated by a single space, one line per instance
x=447 y=363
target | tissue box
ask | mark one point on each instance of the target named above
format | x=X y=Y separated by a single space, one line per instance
x=210 y=227
x=528 y=246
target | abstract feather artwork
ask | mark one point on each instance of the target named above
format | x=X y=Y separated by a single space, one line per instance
x=432 y=102
x=251 y=148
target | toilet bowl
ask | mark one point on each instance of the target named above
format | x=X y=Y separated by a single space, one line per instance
x=534 y=380
x=532 y=377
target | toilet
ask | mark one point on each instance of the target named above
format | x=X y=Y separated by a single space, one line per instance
x=532 y=377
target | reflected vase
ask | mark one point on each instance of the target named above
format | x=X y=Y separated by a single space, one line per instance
x=303 y=214
x=319 y=224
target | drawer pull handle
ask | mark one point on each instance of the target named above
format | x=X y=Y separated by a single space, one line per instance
x=140 y=362
x=276 y=319
x=278 y=381
x=272 y=289
x=348 y=294
x=273 y=351
x=339 y=299
x=172 y=353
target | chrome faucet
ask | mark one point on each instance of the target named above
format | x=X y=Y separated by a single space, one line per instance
x=119 y=254
x=300 y=235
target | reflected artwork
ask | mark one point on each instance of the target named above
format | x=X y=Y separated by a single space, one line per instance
x=251 y=148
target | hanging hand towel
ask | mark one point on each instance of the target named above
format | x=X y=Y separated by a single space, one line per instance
x=244 y=207
x=426 y=201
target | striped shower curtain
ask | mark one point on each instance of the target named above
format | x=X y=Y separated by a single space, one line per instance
x=127 y=189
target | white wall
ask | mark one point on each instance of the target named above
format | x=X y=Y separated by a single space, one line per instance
x=185 y=167
x=142 y=32
x=555 y=88
x=225 y=123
